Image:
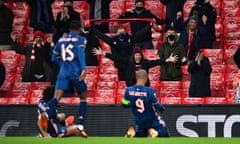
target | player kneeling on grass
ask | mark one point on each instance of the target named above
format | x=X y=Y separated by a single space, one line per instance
x=50 y=123
x=146 y=109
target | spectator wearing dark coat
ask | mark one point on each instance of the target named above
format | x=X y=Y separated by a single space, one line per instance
x=41 y=16
x=236 y=57
x=135 y=63
x=192 y=35
x=64 y=18
x=5 y=24
x=204 y=10
x=141 y=12
x=174 y=12
x=2 y=73
x=37 y=58
x=171 y=71
x=200 y=70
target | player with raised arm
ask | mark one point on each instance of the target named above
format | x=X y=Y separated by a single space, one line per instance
x=69 y=54
x=146 y=109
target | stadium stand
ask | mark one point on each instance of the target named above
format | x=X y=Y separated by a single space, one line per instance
x=103 y=85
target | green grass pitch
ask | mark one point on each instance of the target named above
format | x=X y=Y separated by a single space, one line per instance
x=117 y=140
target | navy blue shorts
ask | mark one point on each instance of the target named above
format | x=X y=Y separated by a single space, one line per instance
x=65 y=84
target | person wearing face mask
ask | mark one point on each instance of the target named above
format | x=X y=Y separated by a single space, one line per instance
x=37 y=57
x=141 y=12
x=64 y=18
x=134 y=64
x=171 y=71
x=5 y=26
x=206 y=14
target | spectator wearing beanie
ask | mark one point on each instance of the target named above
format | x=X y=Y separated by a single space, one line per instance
x=37 y=57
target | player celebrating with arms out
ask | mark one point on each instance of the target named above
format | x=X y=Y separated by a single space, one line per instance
x=146 y=109
x=69 y=54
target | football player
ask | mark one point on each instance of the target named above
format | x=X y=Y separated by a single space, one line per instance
x=145 y=108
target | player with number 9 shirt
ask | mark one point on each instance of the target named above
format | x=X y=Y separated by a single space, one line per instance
x=69 y=54
x=146 y=109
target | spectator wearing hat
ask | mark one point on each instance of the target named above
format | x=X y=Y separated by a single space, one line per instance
x=5 y=25
x=135 y=63
x=37 y=57
x=141 y=12
x=191 y=36
x=171 y=70
x=64 y=18
x=206 y=14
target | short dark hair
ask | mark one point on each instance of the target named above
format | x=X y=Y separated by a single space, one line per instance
x=48 y=93
x=136 y=1
x=75 y=25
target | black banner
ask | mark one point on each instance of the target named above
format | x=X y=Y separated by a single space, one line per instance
x=113 y=120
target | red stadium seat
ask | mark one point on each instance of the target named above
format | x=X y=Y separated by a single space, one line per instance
x=22 y=86
x=170 y=93
x=185 y=93
x=228 y=55
x=106 y=85
x=218 y=68
x=119 y=96
x=39 y=85
x=170 y=100
x=170 y=85
x=215 y=100
x=4 y=100
x=18 y=100
x=105 y=96
x=185 y=84
x=7 y=86
x=191 y=100
x=185 y=69
x=230 y=12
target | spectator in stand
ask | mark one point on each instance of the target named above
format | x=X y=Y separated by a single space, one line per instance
x=174 y=13
x=41 y=17
x=191 y=36
x=99 y=9
x=64 y=18
x=236 y=57
x=2 y=73
x=37 y=58
x=171 y=70
x=122 y=45
x=5 y=26
x=206 y=13
x=135 y=63
x=237 y=53
x=141 y=12
x=200 y=70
